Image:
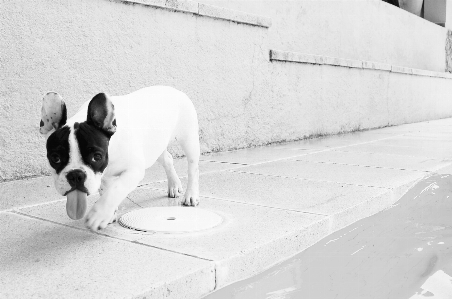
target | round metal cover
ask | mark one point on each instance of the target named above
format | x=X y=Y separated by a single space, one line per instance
x=170 y=219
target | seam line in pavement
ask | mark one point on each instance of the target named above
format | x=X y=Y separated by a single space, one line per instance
x=105 y=235
x=269 y=207
x=32 y=205
x=360 y=165
x=310 y=180
x=392 y=154
x=224 y=162
x=400 y=146
x=250 y=204
x=157 y=181
x=127 y=197
x=185 y=176
x=410 y=156
x=314 y=152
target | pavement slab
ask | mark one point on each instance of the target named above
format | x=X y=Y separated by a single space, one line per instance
x=218 y=244
x=322 y=198
x=32 y=191
x=275 y=200
x=244 y=235
x=344 y=204
x=42 y=259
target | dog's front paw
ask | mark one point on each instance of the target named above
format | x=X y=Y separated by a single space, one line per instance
x=99 y=217
x=175 y=188
x=191 y=198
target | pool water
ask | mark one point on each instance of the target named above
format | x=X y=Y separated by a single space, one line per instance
x=404 y=251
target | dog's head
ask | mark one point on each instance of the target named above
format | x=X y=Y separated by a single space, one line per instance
x=77 y=152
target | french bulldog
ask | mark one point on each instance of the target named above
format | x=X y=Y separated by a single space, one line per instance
x=108 y=144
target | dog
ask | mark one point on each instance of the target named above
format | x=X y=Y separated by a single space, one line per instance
x=108 y=144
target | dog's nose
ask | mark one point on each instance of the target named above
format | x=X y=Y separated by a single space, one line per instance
x=76 y=178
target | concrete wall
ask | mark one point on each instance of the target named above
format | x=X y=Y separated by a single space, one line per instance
x=323 y=95
x=355 y=29
x=81 y=47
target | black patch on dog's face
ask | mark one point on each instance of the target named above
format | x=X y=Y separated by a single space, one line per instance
x=93 y=145
x=63 y=118
x=58 y=149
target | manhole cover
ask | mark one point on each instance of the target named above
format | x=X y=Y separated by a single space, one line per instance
x=170 y=219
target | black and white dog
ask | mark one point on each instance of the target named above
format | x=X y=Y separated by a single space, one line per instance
x=107 y=145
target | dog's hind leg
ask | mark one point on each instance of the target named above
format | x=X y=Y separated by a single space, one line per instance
x=189 y=140
x=174 y=183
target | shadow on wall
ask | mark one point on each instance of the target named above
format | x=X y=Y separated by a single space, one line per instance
x=433 y=11
x=393 y=2
x=430 y=10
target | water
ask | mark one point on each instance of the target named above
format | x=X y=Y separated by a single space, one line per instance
x=401 y=252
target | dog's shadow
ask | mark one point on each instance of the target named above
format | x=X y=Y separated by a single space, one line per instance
x=53 y=245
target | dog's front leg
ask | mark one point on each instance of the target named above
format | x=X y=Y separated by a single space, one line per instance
x=104 y=209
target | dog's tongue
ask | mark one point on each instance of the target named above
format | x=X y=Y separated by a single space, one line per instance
x=76 y=204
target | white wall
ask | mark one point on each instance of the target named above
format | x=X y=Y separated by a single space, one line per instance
x=81 y=47
x=355 y=29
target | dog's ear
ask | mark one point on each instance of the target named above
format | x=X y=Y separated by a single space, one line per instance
x=53 y=113
x=101 y=114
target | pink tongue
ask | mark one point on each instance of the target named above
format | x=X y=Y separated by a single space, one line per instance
x=76 y=204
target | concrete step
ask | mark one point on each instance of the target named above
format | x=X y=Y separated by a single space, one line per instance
x=275 y=201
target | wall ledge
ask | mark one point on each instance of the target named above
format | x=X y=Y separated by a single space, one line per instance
x=206 y=10
x=295 y=57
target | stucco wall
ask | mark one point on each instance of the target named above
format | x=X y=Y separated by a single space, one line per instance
x=355 y=29
x=81 y=47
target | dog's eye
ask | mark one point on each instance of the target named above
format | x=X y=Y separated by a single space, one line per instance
x=55 y=159
x=97 y=157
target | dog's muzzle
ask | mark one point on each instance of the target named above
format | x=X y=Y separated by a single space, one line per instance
x=76 y=197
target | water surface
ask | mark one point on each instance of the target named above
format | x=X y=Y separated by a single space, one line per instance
x=401 y=252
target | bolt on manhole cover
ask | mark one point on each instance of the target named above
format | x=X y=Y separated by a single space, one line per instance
x=170 y=219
